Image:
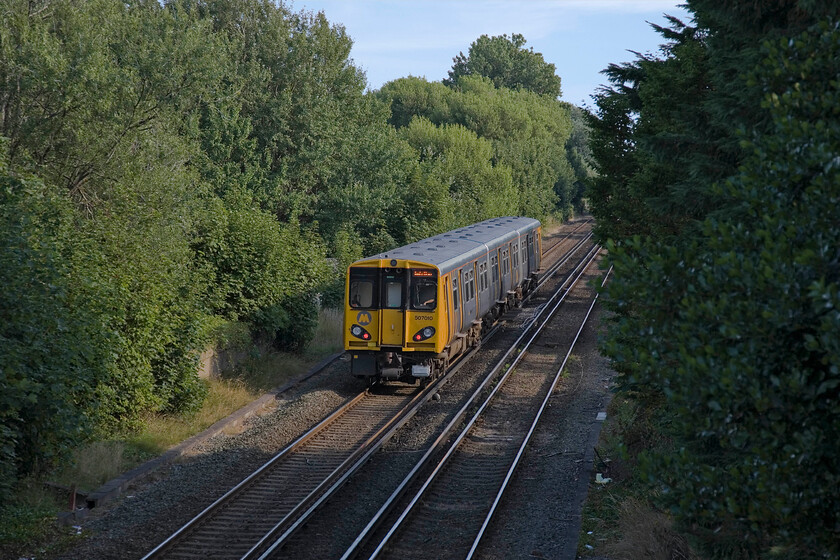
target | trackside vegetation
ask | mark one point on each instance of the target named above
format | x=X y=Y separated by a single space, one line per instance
x=717 y=194
x=173 y=171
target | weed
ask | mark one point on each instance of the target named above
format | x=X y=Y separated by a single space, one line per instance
x=93 y=464
x=27 y=522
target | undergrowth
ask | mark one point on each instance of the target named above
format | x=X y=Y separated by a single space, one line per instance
x=620 y=519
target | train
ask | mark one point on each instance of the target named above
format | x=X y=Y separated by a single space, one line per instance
x=409 y=312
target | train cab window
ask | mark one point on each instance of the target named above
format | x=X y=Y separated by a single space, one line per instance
x=423 y=289
x=392 y=288
x=363 y=287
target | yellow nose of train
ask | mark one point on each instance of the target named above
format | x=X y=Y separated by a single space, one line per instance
x=392 y=306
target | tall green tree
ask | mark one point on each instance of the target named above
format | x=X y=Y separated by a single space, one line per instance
x=528 y=132
x=98 y=97
x=656 y=148
x=508 y=64
x=460 y=183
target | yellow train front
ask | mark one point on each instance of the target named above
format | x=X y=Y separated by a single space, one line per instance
x=410 y=311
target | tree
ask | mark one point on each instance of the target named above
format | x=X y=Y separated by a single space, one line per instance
x=657 y=147
x=722 y=310
x=508 y=64
x=528 y=132
x=460 y=184
x=579 y=156
x=98 y=99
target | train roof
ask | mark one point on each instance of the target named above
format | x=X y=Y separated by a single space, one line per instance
x=448 y=251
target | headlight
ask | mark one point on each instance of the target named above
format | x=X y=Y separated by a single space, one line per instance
x=424 y=333
x=359 y=332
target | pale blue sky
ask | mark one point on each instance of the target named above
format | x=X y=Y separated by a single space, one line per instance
x=397 y=38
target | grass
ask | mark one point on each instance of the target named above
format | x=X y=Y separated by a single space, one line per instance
x=162 y=431
x=262 y=371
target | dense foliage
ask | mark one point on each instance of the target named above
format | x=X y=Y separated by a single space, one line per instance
x=718 y=191
x=169 y=166
x=529 y=134
x=508 y=64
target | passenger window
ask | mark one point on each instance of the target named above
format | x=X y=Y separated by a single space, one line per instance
x=515 y=256
x=455 y=293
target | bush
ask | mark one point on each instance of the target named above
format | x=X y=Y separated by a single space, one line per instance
x=290 y=324
x=53 y=352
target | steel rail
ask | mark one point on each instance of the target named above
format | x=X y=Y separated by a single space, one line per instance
x=567 y=236
x=550 y=271
x=265 y=550
x=533 y=427
x=159 y=549
x=562 y=292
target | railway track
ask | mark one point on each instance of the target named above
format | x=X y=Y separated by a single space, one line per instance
x=259 y=514
x=451 y=508
x=304 y=547
x=576 y=231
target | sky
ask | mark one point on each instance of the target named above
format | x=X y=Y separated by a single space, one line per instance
x=398 y=38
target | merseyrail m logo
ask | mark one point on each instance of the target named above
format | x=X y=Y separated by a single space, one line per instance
x=363 y=318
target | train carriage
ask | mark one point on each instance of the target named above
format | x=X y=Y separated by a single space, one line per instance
x=410 y=311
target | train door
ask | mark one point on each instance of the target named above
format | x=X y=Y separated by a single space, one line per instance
x=392 y=322
x=495 y=281
x=447 y=298
x=506 y=283
x=456 y=302
x=515 y=258
x=481 y=285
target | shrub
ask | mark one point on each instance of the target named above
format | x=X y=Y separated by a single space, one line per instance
x=53 y=352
